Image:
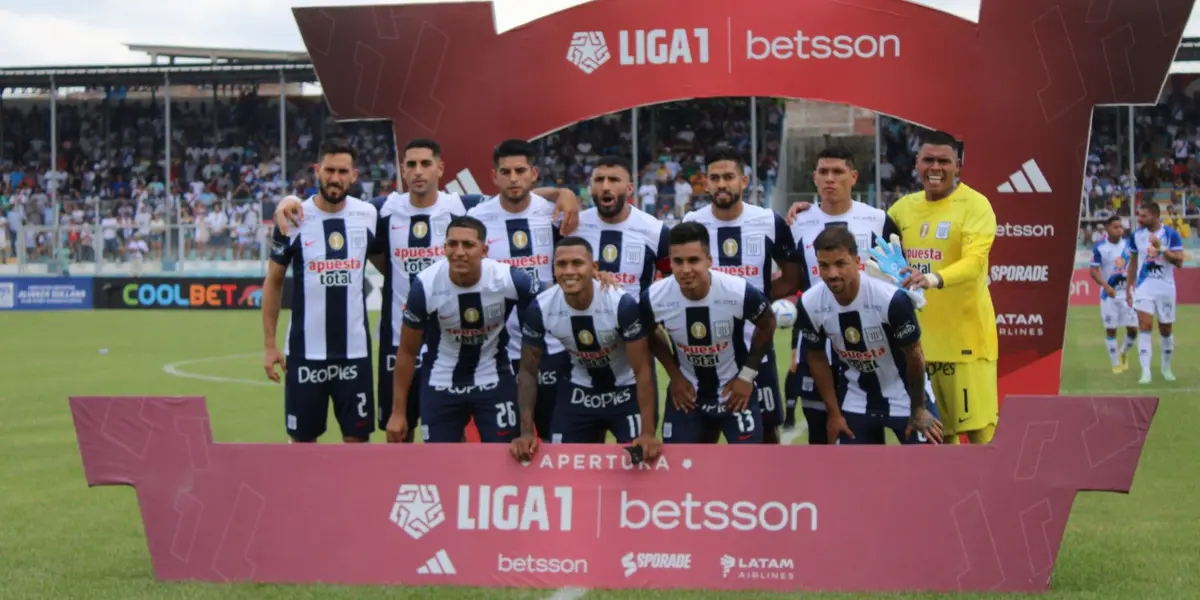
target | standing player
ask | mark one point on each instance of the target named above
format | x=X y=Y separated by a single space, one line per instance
x=458 y=308
x=628 y=242
x=611 y=386
x=835 y=176
x=747 y=238
x=1110 y=260
x=412 y=231
x=712 y=372
x=521 y=233
x=328 y=339
x=947 y=232
x=1159 y=250
x=873 y=327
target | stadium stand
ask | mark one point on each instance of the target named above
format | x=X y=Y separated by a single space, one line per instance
x=227 y=161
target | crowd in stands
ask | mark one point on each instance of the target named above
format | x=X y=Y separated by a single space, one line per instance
x=227 y=168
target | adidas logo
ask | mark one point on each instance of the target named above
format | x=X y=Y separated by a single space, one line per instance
x=1028 y=180
x=438 y=565
x=463 y=184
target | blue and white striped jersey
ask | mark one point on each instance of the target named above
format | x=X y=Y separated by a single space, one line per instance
x=630 y=250
x=1113 y=261
x=708 y=334
x=328 y=257
x=1156 y=276
x=525 y=241
x=464 y=328
x=867 y=336
x=414 y=238
x=594 y=338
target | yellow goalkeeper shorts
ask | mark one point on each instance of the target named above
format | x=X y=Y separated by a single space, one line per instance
x=966 y=395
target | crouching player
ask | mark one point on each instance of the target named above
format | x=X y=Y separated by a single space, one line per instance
x=712 y=373
x=458 y=308
x=611 y=387
x=872 y=325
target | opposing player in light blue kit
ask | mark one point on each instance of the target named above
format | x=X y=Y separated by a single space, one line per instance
x=1110 y=260
x=611 y=384
x=1157 y=251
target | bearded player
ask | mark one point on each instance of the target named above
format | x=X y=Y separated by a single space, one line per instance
x=1110 y=261
x=748 y=240
x=412 y=232
x=1156 y=252
x=611 y=386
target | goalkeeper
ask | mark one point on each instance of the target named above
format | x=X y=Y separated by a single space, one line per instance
x=947 y=232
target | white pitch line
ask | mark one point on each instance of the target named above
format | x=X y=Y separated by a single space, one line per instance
x=788 y=437
x=173 y=369
x=568 y=593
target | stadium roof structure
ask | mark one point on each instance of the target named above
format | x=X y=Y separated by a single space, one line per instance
x=225 y=65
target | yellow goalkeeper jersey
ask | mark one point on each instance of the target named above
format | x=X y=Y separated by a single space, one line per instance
x=952 y=237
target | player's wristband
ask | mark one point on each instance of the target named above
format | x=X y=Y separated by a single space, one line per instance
x=935 y=280
x=748 y=374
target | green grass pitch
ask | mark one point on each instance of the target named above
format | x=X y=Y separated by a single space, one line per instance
x=61 y=540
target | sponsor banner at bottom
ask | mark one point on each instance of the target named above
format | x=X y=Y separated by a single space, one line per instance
x=702 y=517
x=45 y=293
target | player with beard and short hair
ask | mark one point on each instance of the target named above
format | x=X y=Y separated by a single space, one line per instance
x=412 y=231
x=747 y=240
x=1156 y=251
x=872 y=325
x=627 y=241
x=713 y=369
x=611 y=386
x=1110 y=259
x=459 y=308
x=328 y=347
x=521 y=233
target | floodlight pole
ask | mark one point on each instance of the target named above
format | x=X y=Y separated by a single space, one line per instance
x=53 y=172
x=875 y=160
x=283 y=127
x=1133 y=200
x=637 y=167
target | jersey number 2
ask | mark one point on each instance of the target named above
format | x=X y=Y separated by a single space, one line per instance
x=362 y=405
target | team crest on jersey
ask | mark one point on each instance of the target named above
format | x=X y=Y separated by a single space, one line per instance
x=874 y=334
x=699 y=330
x=471 y=315
x=723 y=328
x=633 y=254
x=924 y=229
x=439 y=228
x=754 y=247
x=585 y=338
x=420 y=230
x=542 y=236
x=943 y=231
x=358 y=239
x=852 y=335
x=519 y=239
x=336 y=241
x=608 y=337
x=730 y=247
x=610 y=253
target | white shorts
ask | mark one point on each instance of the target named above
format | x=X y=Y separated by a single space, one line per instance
x=1162 y=306
x=1116 y=313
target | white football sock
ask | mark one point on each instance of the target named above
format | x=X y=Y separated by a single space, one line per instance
x=1166 y=345
x=1145 y=346
x=1113 y=355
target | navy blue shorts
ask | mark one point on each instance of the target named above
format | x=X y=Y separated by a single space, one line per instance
x=310 y=384
x=387 y=371
x=553 y=370
x=585 y=415
x=705 y=423
x=871 y=429
x=446 y=411
x=769 y=398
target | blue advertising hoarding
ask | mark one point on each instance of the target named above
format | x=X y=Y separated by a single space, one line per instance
x=45 y=293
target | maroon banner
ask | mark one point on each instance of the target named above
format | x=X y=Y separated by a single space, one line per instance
x=1025 y=79
x=1086 y=292
x=949 y=518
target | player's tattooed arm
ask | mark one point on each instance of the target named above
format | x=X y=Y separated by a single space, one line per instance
x=758 y=311
x=786 y=254
x=915 y=375
x=566 y=203
x=527 y=386
x=822 y=375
